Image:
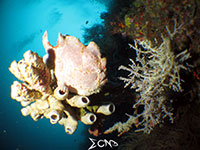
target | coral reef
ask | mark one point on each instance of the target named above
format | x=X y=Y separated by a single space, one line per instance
x=144 y=20
x=154 y=72
x=147 y=19
x=184 y=134
x=58 y=87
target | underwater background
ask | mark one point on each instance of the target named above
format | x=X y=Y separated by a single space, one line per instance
x=23 y=22
x=168 y=116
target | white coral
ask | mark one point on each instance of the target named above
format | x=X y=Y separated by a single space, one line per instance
x=154 y=70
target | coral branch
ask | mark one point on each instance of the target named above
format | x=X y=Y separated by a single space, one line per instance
x=155 y=70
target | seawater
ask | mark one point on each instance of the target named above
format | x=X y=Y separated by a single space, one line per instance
x=23 y=23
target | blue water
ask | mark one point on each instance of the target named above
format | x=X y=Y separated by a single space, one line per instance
x=23 y=23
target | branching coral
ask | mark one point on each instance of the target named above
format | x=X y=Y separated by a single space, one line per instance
x=155 y=70
x=41 y=96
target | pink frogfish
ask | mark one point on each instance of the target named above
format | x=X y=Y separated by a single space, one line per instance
x=78 y=68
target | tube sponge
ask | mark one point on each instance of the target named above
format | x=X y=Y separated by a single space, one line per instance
x=88 y=118
x=56 y=110
x=106 y=109
x=59 y=94
x=33 y=71
x=54 y=116
x=21 y=92
x=70 y=123
x=78 y=101
x=41 y=93
x=26 y=111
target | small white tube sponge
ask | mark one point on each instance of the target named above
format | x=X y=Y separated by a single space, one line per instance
x=26 y=111
x=36 y=109
x=106 y=109
x=59 y=94
x=35 y=115
x=25 y=103
x=56 y=110
x=54 y=116
x=78 y=101
x=69 y=122
x=88 y=118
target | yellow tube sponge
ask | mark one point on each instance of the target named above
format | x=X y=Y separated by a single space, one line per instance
x=106 y=109
x=36 y=110
x=49 y=81
x=21 y=92
x=70 y=123
x=78 y=101
x=56 y=110
x=33 y=71
x=59 y=94
x=89 y=118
